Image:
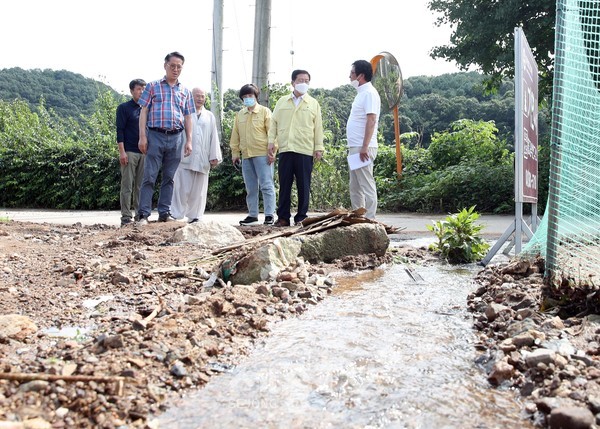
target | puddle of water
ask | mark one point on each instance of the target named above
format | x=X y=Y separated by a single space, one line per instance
x=357 y=282
x=93 y=303
x=67 y=332
x=389 y=353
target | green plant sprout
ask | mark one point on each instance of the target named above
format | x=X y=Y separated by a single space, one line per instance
x=458 y=237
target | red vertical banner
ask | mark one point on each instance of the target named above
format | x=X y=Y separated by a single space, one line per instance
x=526 y=121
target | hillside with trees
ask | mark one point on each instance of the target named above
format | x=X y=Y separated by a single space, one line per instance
x=69 y=94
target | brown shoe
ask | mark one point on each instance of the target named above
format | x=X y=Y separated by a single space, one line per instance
x=282 y=222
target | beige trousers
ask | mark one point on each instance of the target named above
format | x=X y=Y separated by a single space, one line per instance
x=363 y=192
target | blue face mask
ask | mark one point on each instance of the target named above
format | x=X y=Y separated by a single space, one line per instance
x=249 y=101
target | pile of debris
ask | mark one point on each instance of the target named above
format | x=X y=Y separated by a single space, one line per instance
x=553 y=362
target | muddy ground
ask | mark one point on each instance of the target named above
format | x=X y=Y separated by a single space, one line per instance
x=99 y=326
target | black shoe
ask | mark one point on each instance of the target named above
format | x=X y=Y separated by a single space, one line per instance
x=165 y=217
x=282 y=222
x=249 y=221
x=195 y=220
x=269 y=220
x=137 y=217
x=125 y=221
x=299 y=221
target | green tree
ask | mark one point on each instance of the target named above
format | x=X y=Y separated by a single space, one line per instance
x=483 y=36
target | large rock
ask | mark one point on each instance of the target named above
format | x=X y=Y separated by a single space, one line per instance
x=358 y=239
x=209 y=234
x=266 y=261
x=16 y=326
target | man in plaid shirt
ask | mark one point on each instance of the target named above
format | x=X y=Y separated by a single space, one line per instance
x=167 y=109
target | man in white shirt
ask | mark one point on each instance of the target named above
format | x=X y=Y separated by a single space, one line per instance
x=361 y=133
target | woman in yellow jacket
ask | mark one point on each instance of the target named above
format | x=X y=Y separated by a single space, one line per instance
x=249 y=142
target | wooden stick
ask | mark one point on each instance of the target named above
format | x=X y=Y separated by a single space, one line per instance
x=320 y=227
x=309 y=221
x=153 y=314
x=283 y=233
x=20 y=376
x=169 y=270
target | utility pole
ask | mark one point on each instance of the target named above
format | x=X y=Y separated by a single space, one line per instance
x=262 y=47
x=216 y=81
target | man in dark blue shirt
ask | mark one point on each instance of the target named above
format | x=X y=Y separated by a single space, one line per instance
x=130 y=156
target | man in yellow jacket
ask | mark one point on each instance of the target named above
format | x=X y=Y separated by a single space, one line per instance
x=297 y=132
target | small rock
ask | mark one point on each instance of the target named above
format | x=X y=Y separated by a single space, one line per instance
x=537 y=356
x=523 y=340
x=131 y=373
x=61 y=412
x=501 y=371
x=305 y=294
x=286 y=276
x=493 y=310
x=554 y=323
x=258 y=323
x=118 y=277
x=178 y=369
x=113 y=342
x=289 y=286
x=34 y=386
x=263 y=290
x=68 y=269
x=571 y=418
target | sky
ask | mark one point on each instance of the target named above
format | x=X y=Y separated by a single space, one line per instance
x=115 y=41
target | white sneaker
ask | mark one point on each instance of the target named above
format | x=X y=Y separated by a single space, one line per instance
x=143 y=221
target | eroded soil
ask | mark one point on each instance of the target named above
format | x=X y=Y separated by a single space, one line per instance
x=100 y=324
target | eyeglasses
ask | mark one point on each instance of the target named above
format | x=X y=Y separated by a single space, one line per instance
x=175 y=67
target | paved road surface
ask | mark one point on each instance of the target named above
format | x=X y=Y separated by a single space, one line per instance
x=414 y=223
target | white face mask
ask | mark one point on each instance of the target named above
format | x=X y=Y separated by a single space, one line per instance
x=355 y=83
x=302 y=88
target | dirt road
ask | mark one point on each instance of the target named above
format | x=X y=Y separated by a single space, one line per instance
x=414 y=223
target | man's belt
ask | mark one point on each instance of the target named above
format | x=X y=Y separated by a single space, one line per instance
x=166 y=131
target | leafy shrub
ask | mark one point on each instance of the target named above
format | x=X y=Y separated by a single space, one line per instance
x=467 y=140
x=458 y=237
x=329 y=183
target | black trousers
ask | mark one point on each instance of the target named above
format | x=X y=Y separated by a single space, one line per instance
x=299 y=167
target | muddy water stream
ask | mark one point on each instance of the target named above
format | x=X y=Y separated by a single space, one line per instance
x=385 y=351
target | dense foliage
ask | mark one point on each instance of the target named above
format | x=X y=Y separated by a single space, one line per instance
x=47 y=161
x=456 y=146
x=483 y=36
